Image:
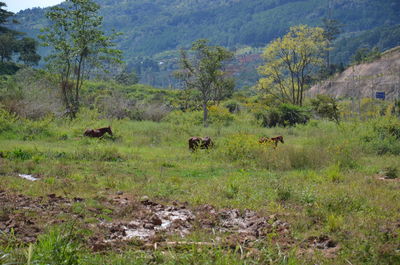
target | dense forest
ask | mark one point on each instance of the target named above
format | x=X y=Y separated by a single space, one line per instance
x=154 y=30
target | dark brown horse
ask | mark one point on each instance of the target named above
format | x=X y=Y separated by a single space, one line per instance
x=198 y=142
x=97 y=133
x=273 y=140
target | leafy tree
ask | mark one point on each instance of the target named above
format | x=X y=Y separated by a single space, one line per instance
x=11 y=43
x=79 y=45
x=4 y=15
x=204 y=72
x=290 y=61
x=27 y=51
x=7 y=46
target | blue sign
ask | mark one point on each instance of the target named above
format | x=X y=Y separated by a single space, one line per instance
x=380 y=95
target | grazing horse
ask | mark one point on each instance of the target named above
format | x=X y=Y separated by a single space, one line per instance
x=274 y=140
x=97 y=133
x=198 y=142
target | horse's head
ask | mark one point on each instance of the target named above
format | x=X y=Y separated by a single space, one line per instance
x=108 y=129
x=280 y=138
x=208 y=140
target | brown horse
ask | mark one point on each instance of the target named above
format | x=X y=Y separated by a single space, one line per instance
x=198 y=142
x=274 y=140
x=97 y=133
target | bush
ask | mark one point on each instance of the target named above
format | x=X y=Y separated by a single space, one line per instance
x=391 y=172
x=325 y=107
x=31 y=94
x=382 y=135
x=19 y=154
x=219 y=115
x=191 y=118
x=8 y=68
x=118 y=106
x=241 y=147
x=284 y=115
x=7 y=120
x=232 y=105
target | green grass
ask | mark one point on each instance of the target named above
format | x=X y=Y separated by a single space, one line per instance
x=321 y=181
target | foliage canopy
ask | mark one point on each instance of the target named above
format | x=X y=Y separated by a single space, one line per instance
x=204 y=72
x=290 y=63
x=79 y=46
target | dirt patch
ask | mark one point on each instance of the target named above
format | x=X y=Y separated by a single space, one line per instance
x=26 y=217
x=323 y=243
x=149 y=222
x=142 y=222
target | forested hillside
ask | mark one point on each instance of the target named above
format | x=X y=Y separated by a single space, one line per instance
x=151 y=27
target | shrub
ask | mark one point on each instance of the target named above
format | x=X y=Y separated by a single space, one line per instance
x=391 y=172
x=292 y=114
x=241 y=147
x=19 y=154
x=114 y=106
x=118 y=106
x=232 y=105
x=325 y=107
x=33 y=129
x=220 y=116
x=7 y=120
x=284 y=115
x=382 y=135
x=333 y=173
x=31 y=94
x=153 y=111
x=178 y=117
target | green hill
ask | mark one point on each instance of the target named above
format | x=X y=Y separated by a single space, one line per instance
x=152 y=28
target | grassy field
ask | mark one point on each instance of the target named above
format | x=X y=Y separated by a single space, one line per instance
x=327 y=182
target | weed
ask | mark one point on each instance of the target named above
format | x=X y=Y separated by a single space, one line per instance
x=19 y=154
x=58 y=246
x=391 y=172
x=283 y=193
x=334 y=223
x=334 y=174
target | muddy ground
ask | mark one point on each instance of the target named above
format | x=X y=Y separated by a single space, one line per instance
x=145 y=222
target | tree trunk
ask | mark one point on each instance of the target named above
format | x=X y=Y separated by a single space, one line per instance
x=205 y=114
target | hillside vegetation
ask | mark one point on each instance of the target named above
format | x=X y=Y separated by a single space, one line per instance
x=153 y=28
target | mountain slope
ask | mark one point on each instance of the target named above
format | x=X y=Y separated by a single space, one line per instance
x=152 y=26
x=364 y=80
x=153 y=29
